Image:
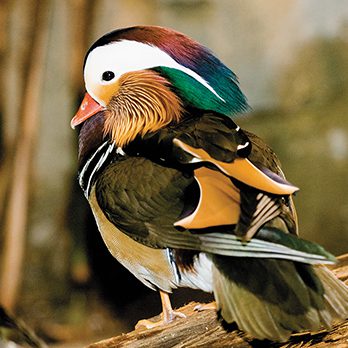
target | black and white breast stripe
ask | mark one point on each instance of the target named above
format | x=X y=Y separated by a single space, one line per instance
x=100 y=158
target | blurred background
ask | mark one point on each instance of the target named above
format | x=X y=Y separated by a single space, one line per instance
x=291 y=57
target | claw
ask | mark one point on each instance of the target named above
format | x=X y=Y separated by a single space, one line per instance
x=205 y=307
x=172 y=315
x=147 y=324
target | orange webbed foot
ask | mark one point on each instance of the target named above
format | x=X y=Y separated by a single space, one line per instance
x=167 y=316
x=205 y=307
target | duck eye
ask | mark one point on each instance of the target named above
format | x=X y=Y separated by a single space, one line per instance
x=108 y=75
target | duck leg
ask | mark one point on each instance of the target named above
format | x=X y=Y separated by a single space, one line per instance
x=167 y=315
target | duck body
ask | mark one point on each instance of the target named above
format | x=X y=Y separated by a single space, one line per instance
x=185 y=197
x=150 y=188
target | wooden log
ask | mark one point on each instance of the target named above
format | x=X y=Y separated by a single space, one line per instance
x=202 y=329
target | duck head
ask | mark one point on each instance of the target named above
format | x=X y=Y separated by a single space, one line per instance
x=145 y=77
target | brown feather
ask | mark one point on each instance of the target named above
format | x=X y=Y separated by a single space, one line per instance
x=143 y=103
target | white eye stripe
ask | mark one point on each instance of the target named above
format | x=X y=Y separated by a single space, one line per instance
x=126 y=56
x=103 y=82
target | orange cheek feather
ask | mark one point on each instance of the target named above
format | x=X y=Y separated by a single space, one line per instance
x=105 y=92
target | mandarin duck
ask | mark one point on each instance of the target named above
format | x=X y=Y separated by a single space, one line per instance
x=183 y=197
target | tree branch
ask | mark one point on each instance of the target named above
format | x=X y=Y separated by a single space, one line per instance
x=201 y=329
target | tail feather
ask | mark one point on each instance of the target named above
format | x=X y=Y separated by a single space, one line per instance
x=241 y=306
x=271 y=299
x=335 y=291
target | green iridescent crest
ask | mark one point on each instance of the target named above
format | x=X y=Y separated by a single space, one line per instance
x=228 y=99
